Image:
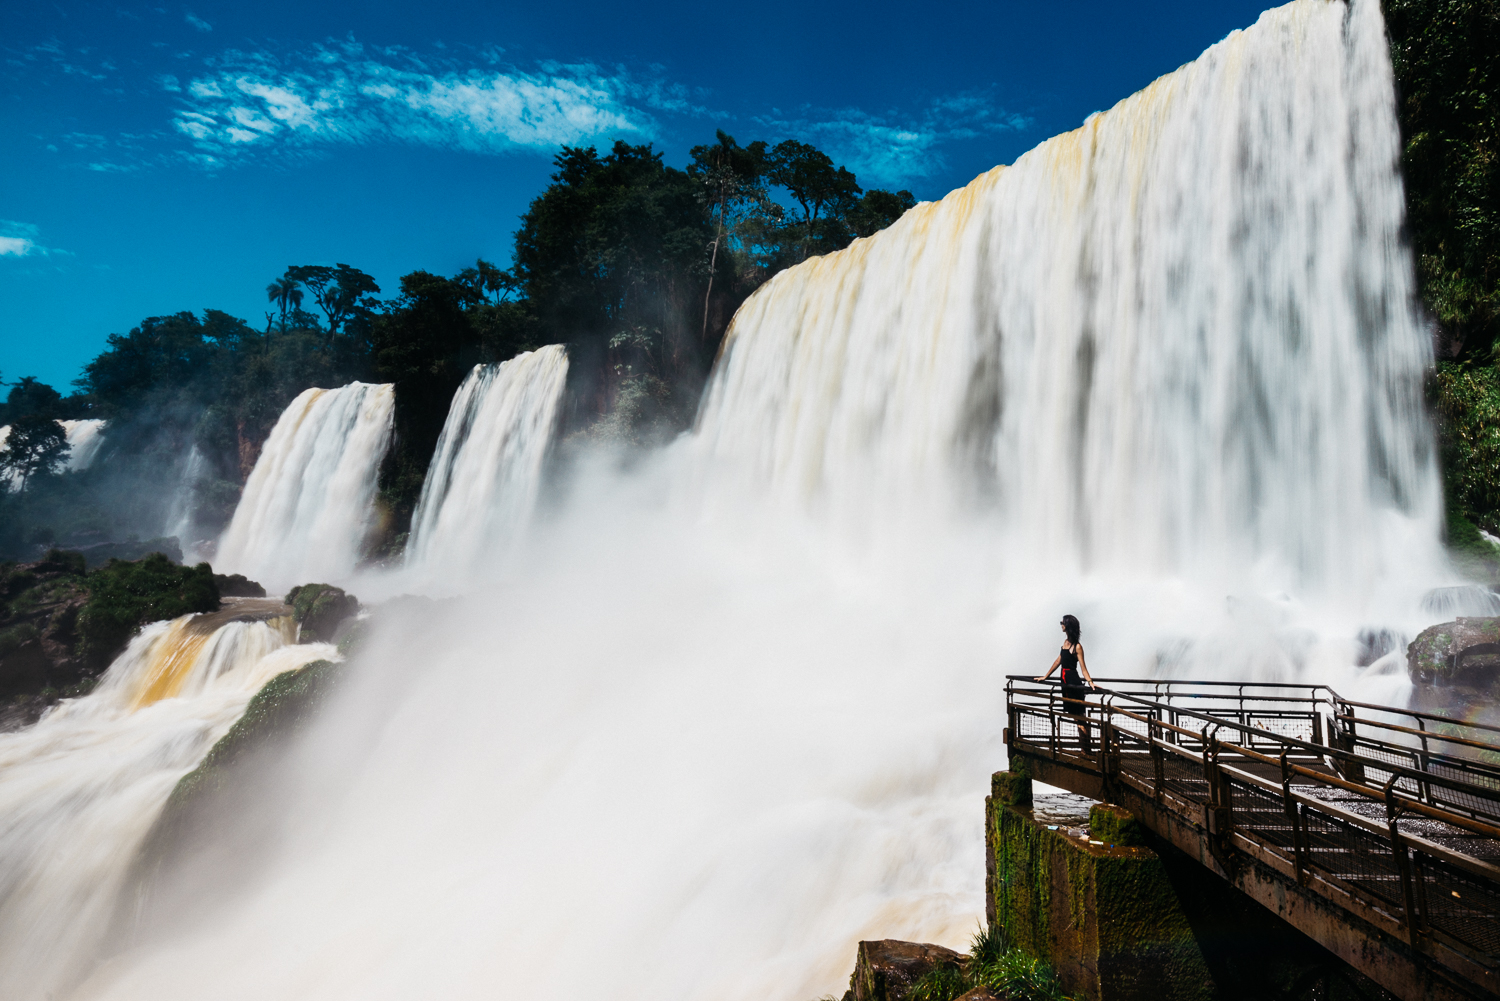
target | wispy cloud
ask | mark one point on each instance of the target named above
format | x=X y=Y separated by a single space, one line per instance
x=346 y=94
x=197 y=22
x=895 y=148
x=18 y=239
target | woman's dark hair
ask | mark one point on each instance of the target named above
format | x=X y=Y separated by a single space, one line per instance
x=1070 y=626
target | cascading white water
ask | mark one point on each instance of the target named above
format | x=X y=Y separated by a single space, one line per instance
x=1163 y=360
x=309 y=502
x=84 y=439
x=1182 y=337
x=80 y=790
x=482 y=483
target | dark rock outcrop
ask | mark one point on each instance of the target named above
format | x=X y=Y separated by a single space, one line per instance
x=887 y=969
x=237 y=585
x=320 y=609
x=39 y=607
x=1466 y=650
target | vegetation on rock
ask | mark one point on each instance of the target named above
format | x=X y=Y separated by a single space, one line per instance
x=320 y=609
x=993 y=966
x=124 y=596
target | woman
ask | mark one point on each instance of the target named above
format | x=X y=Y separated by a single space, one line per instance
x=1074 y=689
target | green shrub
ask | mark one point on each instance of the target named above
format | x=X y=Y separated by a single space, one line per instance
x=124 y=596
x=991 y=964
x=1467 y=401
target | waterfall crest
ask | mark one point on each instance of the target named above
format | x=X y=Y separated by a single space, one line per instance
x=308 y=504
x=80 y=790
x=483 y=480
x=1181 y=336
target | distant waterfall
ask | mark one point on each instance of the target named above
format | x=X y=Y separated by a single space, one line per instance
x=308 y=505
x=84 y=439
x=80 y=790
x=484 y=476
x=1181 y=337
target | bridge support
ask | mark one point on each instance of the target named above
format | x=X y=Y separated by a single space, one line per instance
x=1104 y=915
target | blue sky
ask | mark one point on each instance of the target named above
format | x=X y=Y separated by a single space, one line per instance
x=161 y=158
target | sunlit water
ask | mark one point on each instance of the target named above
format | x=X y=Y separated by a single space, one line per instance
x=711 y=721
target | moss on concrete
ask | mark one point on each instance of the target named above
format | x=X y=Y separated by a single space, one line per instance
x=1106 y=918
x=1115 y=825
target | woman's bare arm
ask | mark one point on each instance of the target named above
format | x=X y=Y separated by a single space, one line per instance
x=1083 y=665
x=1051 y=669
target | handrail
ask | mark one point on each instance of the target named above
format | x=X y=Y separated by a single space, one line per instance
x=1418 y=714
x=1232 y=779
x=1381 y=724
x=1416 y=776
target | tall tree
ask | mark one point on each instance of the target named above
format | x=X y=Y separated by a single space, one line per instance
x=610 y=257
x=285 y=292
x=36 y=446
x=729 y=175
x=31 y=396
x=338 y=291
x=821 y=189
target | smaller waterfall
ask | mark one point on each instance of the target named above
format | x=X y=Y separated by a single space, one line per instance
x=84 y=437
x=482 y=484
x=309 y=502
x=80 y=790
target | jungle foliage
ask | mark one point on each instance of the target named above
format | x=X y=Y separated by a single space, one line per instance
x=1446 y=58
x=635 y=264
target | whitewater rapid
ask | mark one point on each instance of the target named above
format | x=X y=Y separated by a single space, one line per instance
x=80 y=790
x=733 y=707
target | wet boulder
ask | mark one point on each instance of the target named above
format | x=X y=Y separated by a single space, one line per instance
x=1450 y=652
x=319 y=610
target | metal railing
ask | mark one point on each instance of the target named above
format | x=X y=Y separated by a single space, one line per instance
x=1391 y=813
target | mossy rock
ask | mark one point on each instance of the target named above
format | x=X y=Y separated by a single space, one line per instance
x=319 y=609
x=124 y=596
x=1438 y=652
x=282 y=706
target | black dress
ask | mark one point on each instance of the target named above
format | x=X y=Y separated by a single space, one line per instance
x=1074 y=691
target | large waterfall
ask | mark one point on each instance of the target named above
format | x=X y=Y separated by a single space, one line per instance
x=735 y=707
x=80 y=790
x=308 y=504
x=484 y=476
x=1180 y=337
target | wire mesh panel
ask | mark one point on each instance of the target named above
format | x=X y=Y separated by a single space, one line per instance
x=1460 y=905
x=1260 y=815
x=1354 y=854
x=1183 y=777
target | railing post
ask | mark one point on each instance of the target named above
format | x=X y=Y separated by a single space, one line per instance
x=1158 y=758
x=1411 y=917
x=1294 y=814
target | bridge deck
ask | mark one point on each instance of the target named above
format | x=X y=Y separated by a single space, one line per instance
x=1382 y=822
